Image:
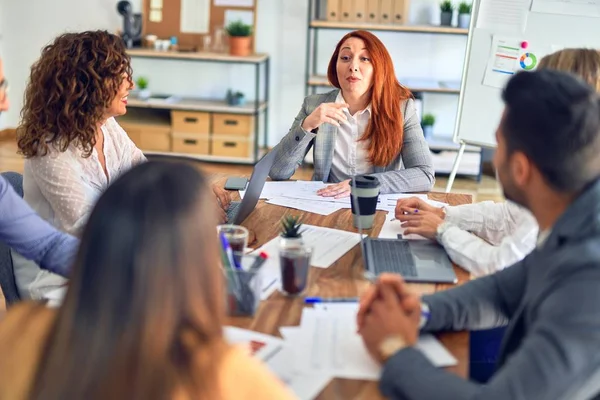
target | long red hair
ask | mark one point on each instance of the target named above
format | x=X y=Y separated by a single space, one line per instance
x=385 y=131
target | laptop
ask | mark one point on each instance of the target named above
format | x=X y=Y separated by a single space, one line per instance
x=416 y=260
x=238 y=211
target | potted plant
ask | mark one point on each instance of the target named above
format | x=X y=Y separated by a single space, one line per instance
x=142 y=85
x=240 y=38
x=235 y=98
x=464 y=14
x=294 y=257
x=446 y=9
x=427 y=123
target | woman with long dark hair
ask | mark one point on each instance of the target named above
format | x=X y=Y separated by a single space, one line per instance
x=144 y=311
x=367 y=125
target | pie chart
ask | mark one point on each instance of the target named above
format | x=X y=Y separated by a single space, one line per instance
x=528 y=61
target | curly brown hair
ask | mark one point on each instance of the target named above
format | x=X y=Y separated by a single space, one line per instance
x=70 y=87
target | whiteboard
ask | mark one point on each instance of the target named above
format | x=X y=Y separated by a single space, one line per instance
x=480 y=106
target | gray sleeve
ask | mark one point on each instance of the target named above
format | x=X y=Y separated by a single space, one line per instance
x=558 y=359
x=292 y=149
x=418 y=173
x=485 y=302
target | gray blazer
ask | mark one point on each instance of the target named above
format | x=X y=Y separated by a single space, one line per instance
x=411 y=171
x=551 y=302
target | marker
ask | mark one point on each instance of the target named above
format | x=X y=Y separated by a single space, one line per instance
x=313 y=300
x=260 y=260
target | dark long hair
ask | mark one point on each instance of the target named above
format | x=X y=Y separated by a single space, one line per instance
x=385 y=131
x=144 y=311
x=70 y=87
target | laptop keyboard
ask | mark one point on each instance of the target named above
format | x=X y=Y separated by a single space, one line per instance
x=233 y=210
x=393 y=256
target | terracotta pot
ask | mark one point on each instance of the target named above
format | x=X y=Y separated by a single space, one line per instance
x=240 y=45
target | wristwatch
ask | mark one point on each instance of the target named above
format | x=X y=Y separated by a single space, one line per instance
x=390 y=346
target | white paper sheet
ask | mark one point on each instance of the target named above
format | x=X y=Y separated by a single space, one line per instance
x=234 y=3
x=156 y=15
x=156 y=4
x=503 y=60
x=506 y=16
x=274 y=189
x=317 y=207
x=392 y=228
x=305 y=385
x=195 y=16
x=259 y=345
x=583 y=8
x=327 y=342
x=328 y=245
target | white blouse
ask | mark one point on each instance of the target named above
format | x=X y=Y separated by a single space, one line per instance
x=63 y=187
x=351 y=157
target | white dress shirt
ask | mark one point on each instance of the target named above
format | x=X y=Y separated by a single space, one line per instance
x=62 y=187
x=506 y=233
x=350 y=157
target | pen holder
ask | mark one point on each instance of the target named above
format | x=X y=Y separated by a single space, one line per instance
x=243 y=290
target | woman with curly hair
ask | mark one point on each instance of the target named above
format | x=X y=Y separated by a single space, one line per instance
x=73 y=145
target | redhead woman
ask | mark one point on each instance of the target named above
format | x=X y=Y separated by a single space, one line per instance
x=367 y=125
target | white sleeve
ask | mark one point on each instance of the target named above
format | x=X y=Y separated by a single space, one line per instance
x=488 y=220
x=59 y=180
x=128 y=147
x=482 y=258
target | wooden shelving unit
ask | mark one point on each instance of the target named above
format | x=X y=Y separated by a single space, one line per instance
x=158 y=113
x=320 y=24
x=198 y=56
x=321 y=81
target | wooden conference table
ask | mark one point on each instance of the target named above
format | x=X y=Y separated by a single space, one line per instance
x=342 y=279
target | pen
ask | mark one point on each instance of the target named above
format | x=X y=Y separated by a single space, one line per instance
x=313 y=300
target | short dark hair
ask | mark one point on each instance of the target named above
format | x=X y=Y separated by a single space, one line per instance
x=553 y=117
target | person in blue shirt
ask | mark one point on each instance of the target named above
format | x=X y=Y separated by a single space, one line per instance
x=25 y=231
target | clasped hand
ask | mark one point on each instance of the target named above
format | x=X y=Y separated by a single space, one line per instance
x=388 y=308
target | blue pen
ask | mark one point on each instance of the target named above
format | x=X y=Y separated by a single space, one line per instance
x=313 y=300
x=229 y=252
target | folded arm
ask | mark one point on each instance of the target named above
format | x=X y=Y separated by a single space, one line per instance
x=32 y=237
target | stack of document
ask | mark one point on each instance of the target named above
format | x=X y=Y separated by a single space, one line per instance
x=326 y=345
x=302 y=195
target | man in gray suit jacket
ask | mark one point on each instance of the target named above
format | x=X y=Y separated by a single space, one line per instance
x=547 y=161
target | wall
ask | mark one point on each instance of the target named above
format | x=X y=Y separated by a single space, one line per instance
x=27 y=25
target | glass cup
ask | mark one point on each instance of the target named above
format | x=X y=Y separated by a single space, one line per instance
x=243 y=292
x=237 y=236
x=294 y=263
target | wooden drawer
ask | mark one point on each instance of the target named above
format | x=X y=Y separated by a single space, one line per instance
x=149 y=137
x=233 y=125
x=231 y=147
x=152 y=141
x=190 y=122
x=134 y=133
x=191 y=143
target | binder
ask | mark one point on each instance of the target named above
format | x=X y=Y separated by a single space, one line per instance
x=400 y=12
x=360 y=10
x=333 y=10
x=386 y=9
x=346 y=14
x=372 y=16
